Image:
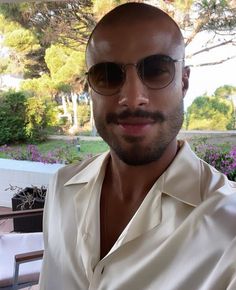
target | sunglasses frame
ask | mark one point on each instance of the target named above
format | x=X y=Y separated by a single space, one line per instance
x=123 y=69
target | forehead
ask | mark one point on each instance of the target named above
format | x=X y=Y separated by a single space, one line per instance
x=129 y=42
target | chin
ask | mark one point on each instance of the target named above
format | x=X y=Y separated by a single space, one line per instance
x=138 y=155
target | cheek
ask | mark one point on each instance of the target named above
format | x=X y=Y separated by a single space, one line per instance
x=96 y=100
x=167 y=98
x=101 y=104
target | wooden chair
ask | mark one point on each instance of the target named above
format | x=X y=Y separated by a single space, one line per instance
x=20 y=254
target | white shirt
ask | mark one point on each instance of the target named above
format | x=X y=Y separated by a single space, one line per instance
x=182 y=237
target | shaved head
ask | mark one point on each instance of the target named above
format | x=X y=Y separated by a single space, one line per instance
x=130 y=13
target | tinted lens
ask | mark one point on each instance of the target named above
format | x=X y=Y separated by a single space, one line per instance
x=156 y=71
x=105 y=78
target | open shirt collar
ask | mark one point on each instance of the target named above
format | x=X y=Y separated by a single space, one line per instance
x=179 y=180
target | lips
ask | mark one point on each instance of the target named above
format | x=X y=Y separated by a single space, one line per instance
x=135 y=126
x=135 y=123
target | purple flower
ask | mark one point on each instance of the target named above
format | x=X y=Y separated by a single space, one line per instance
x=224 y=161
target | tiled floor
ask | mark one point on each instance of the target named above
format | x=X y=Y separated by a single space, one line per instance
x=6 y=226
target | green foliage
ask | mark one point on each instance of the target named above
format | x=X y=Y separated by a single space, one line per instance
x=222 y=16
x=39 y=115
x=23 y=44
x=24 y=118
x=83 y=114
x=3 y=64
x=102 y=7
x=222 y=160
x=21 y=40
x=64 y=88
x=12 y=117
x=40 y=87
x=225 y=91
x=54 y=150
x=64 y=63
x=209 y=113
x=6 y=25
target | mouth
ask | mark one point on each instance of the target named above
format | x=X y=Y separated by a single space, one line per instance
x=135 y=123
x=135 y=126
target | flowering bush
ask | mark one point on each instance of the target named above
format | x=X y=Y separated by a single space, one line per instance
x=222 y=160
x=59 y=155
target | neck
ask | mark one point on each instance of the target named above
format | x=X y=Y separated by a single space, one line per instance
x=133 y=182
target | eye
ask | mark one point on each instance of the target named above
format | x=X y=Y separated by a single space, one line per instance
x=156 y=71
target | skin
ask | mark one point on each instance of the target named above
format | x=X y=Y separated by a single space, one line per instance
x=141 y=147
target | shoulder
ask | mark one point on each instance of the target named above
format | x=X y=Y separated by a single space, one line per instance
x=67 y=172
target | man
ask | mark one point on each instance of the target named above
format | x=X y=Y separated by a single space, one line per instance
x=148 y=214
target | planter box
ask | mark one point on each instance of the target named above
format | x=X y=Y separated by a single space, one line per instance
x=25 y=224
x=23 y=173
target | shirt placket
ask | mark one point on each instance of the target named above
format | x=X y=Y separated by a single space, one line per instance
x=139 y=224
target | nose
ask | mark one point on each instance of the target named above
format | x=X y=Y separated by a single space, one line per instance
x=134 y=93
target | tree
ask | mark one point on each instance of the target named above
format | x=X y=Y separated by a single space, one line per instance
x=217 y=17
x=67 y=22
x=229 y=93
x=209 y=113
x=225 y=92
x=71 y=22
x=66 y=65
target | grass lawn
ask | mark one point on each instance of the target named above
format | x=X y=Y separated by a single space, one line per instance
x=60 y=151
x=67 y=148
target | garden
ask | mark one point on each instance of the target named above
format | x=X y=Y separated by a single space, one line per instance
x=221 y=156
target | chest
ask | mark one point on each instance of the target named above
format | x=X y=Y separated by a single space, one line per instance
x=115 y=214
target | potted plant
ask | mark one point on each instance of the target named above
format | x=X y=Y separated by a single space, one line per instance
x=28 y=198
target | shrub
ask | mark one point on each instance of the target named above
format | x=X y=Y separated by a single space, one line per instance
x=83 y=114
x=24 y=118
x=12 y=117
x=222 y=160
x=64 y=155
x=40 y=115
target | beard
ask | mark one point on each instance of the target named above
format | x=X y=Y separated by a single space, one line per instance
x=137 y=153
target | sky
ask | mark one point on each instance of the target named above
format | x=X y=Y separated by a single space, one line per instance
x=208 y=78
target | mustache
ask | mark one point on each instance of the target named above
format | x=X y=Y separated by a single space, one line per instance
x=156 y=116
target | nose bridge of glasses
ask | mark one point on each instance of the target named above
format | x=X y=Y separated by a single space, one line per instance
x=133 y=92
x=135 y=68
x=124 y=66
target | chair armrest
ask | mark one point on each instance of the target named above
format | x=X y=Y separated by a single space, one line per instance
x=21 y=213
x=24 y=258
x=29 y=256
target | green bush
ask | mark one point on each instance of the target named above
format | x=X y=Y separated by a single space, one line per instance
x=83 y=114
x=40 y=115
x=24 y=118
x=12 y=117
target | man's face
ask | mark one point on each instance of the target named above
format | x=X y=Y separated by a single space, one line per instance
x=138 y=123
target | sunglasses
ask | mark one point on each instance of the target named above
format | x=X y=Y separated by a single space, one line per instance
x=155 y=71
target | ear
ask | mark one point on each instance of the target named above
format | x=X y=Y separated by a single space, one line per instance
x=185 y=80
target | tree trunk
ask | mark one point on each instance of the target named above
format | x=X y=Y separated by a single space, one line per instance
x=75 y=111
x=64 y=106
x=92 y=123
